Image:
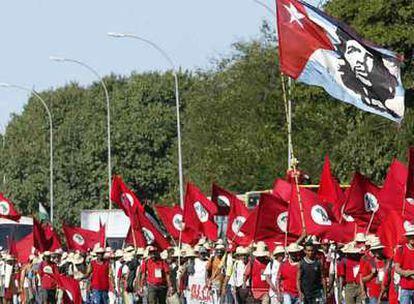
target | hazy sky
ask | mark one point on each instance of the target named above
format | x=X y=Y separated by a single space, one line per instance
x=191 y=31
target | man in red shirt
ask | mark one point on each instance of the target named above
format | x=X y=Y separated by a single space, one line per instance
x=349 y=274
x=101 y=277
x=287 y=277
x=375 y=274
x=48 y=284
x=404 y=266
x=155 y=274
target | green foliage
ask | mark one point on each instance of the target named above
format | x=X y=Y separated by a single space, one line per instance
x=234 y=125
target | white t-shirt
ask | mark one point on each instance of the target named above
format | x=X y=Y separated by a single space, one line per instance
x=237 y=275
x=272 y=270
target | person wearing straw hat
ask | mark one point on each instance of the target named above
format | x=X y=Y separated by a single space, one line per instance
x=404 y=266
x=155 y=274
x=376 y=275
x=271 y=273
x=254 y=274
x=196 y=275
x=287 y=278
x=349 y=274
x=216 y=272
x=48 y=284
x=235 y=274
x=101 y=277
x=311 y=280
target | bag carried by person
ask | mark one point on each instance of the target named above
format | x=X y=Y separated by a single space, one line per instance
x=173 y=299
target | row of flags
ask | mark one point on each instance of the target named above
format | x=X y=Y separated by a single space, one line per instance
x=281 y=216
x=284 y=214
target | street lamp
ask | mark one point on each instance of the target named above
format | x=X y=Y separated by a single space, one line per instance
x=108 y=112
x=177 y=102
x=49 y=114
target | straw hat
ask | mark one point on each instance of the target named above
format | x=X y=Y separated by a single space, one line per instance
x=176 y=252
x=9 y=257
x=190 y=253
x=409 y=232
x=128 y=256
x=140 y=251
x=129 y=249
x=151 y=249
x=240 y=250
x=377 y=245
x=99 y=250
x=77 y=259
x=220 y=247
x=278 y=250
x=350 y=248
x=119 y=253
x=261 y=250
x=313 y=239
x=371 y=239
x=293 y=248
x=47 y=253
x=164 y=254
x=360 y=238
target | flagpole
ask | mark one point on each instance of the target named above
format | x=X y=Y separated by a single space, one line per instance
x=370 y=222
x=302 y=214
x=177 y=102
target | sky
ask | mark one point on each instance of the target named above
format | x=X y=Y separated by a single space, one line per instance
x=193 y=32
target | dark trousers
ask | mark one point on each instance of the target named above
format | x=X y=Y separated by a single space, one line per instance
x=157 y=294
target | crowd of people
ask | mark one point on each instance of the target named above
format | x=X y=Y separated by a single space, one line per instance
x=307 y=271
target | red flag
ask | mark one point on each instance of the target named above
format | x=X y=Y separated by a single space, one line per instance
x=53 y=237
x=220 y=197
x=391 y=232
x=330 y=191
x=237 y=217
x=146 y=234
x=272 y=221
x=282 y=189
x=124 y=197
x=249 y=227
x=24 y=248
x=82 y=239
x=21 y=249
x=40 y=241
x=362 y=199
x=7 y=209
x=298 y=38
x=199 y=212
x=70 y=286
x=317 y=219
x=392 y=194
x=172 y=218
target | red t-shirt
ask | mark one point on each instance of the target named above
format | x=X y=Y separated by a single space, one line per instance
x=287 y=276
x=156 y=272
x=259 y=283
x=405 y=257
x=374 y=285
x=45 y=271
x=100 y=275
x=349 y=269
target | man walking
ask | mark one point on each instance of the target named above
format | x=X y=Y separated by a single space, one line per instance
x=311 y=282
x=404 y=266
x=100 y=274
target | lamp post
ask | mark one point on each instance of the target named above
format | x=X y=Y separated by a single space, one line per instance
x=177 y=101
x=108 y=113
x=49 y=114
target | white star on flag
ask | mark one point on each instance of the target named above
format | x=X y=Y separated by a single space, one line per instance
x=295 y=15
